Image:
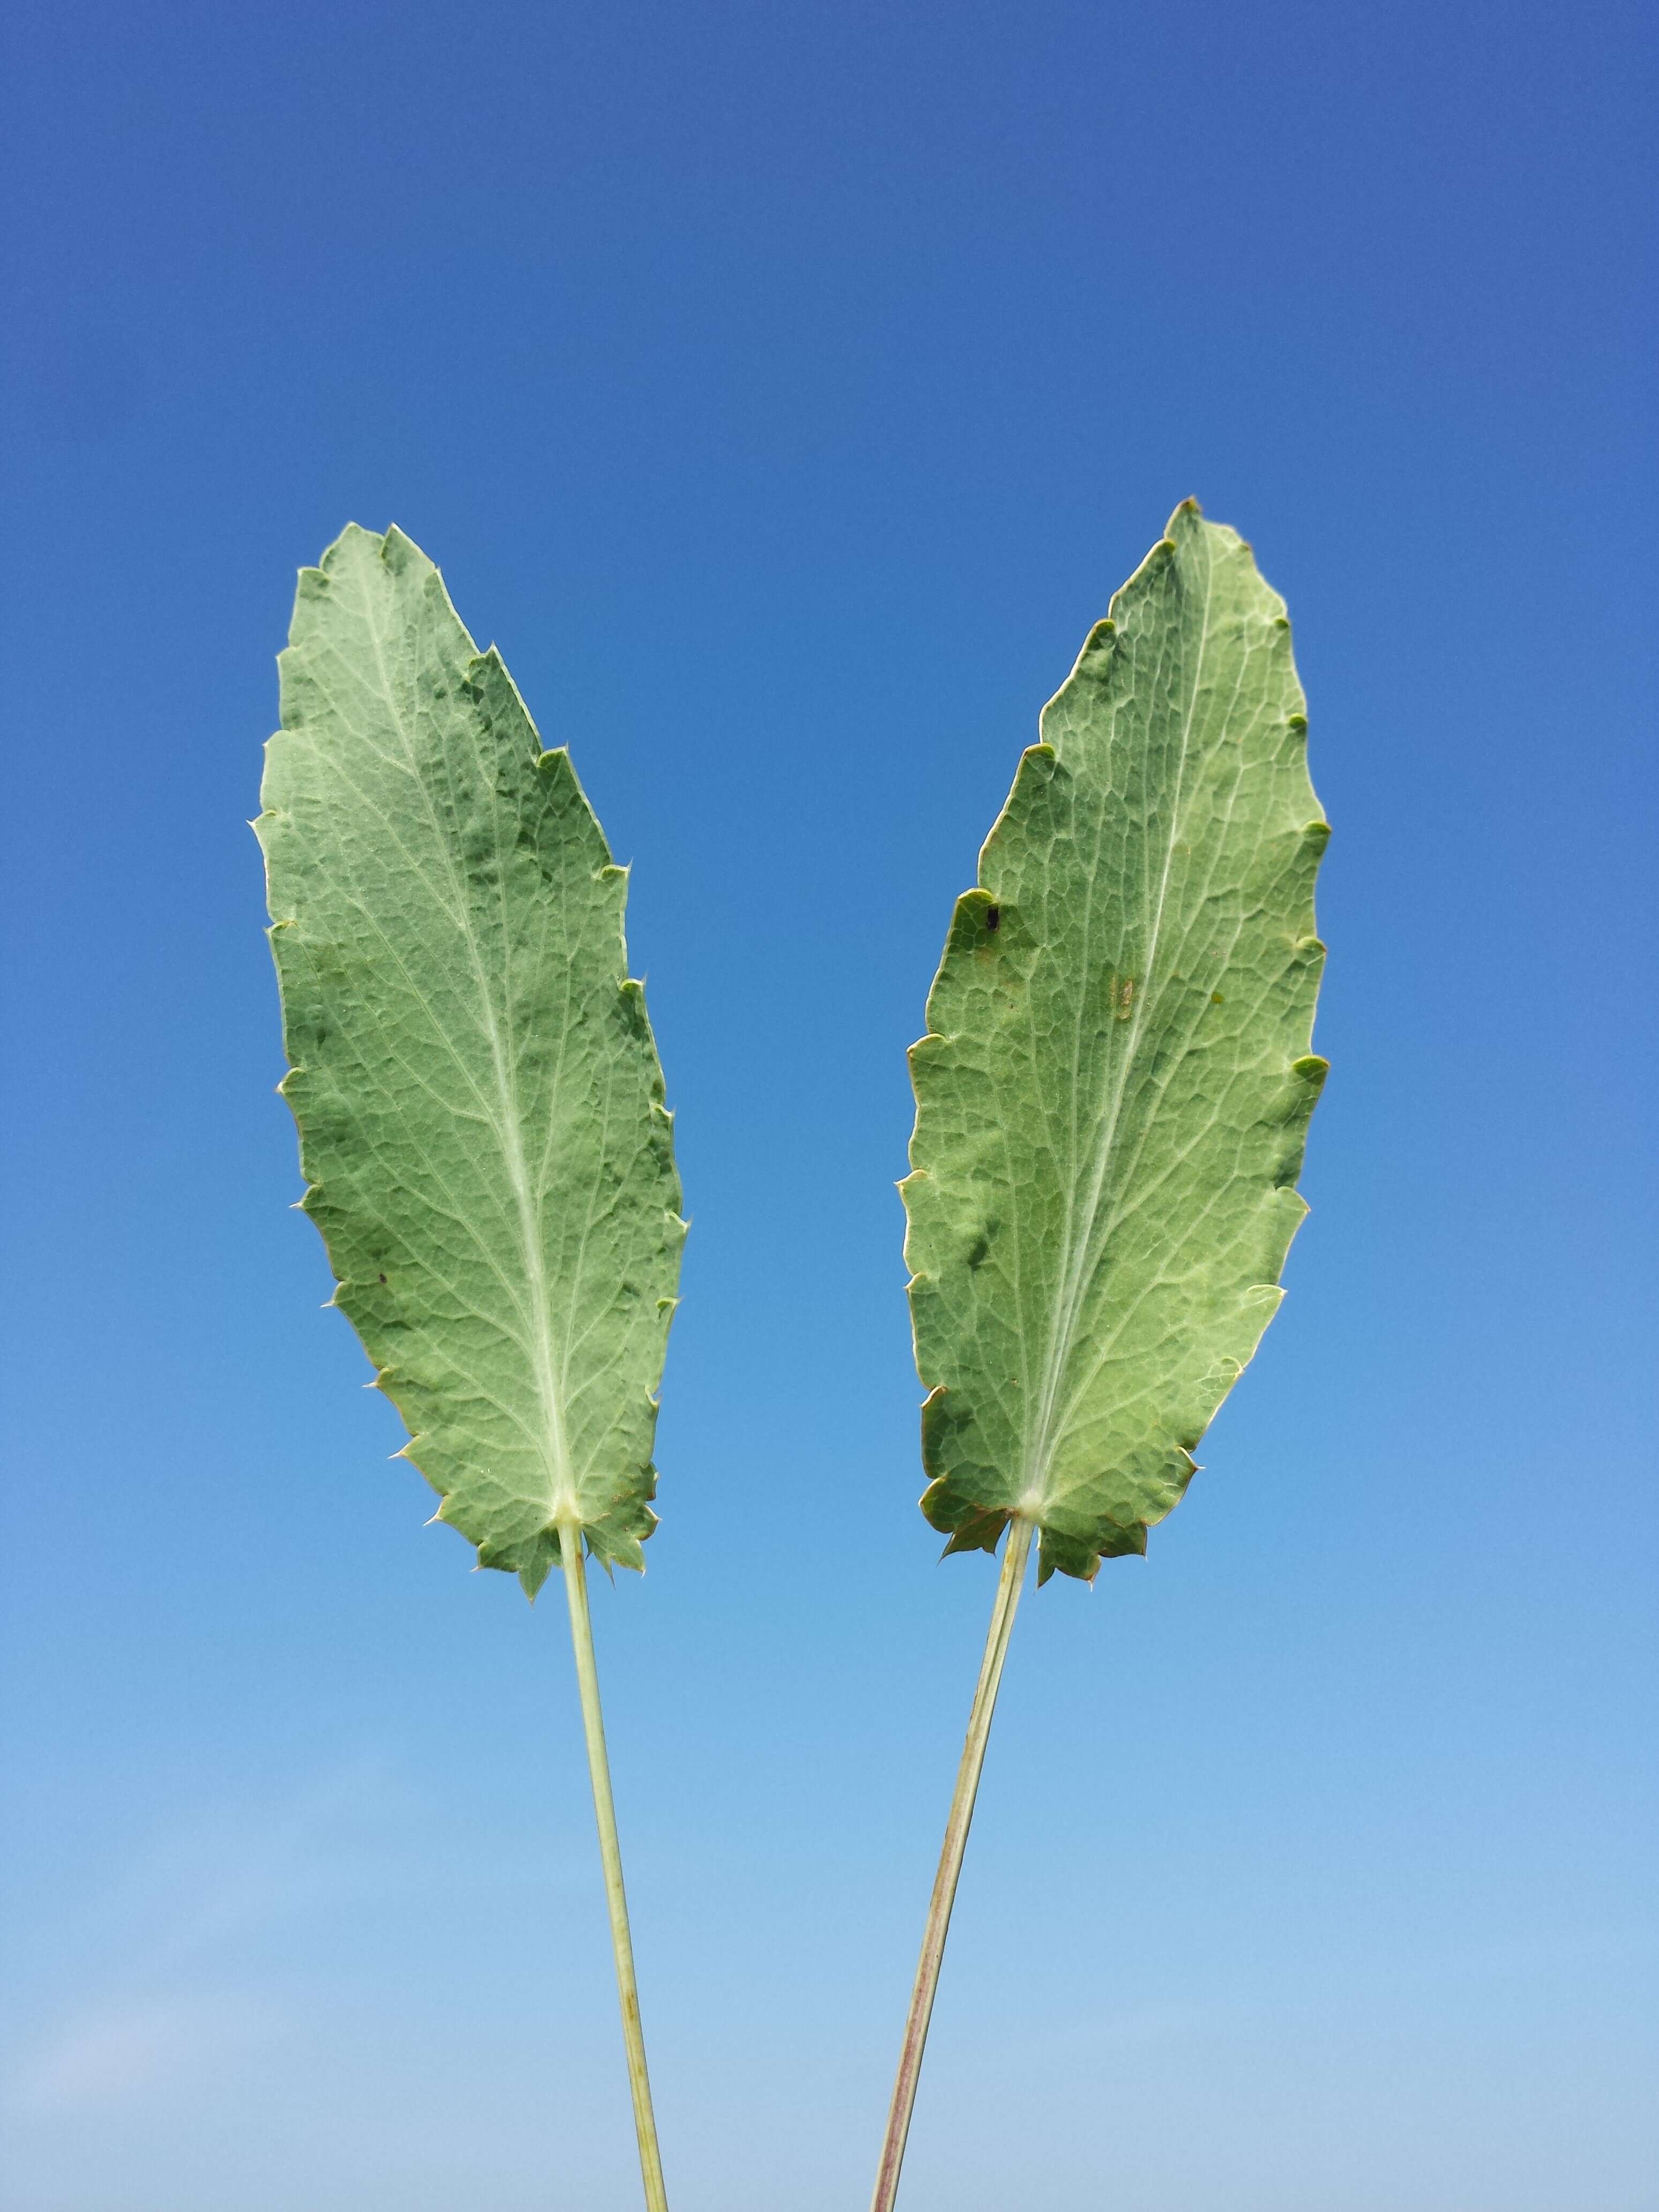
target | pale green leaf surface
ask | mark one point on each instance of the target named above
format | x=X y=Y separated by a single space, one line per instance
x=478 y=1095
x=1113 y=1095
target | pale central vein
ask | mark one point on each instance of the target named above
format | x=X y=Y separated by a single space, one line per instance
x=1080 y=1232
x=509 y=1133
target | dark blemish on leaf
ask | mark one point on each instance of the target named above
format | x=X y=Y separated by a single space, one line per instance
x=994 y=918
x=977 y=1257
x=1216 y=999
x=383 y=1279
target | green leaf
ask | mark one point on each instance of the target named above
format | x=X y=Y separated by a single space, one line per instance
x=1113 y=1095
x=478 y=1095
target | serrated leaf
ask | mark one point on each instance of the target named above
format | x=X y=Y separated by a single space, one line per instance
x=1113 y=1095
x=478 y=1095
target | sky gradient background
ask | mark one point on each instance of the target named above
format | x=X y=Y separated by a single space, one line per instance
x=786 y=389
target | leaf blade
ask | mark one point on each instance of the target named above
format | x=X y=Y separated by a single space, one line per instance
x=480 y=1105
x=1113 y=1094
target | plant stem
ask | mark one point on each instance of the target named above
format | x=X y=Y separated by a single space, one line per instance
x=572 y=1552
x=949 y=1862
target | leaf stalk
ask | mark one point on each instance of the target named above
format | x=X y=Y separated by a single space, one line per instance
x=573 y=1552
x=1009 y=1585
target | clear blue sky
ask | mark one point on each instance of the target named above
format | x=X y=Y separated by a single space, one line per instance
x=785 y=389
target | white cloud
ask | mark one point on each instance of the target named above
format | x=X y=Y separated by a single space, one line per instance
x=123 y=2051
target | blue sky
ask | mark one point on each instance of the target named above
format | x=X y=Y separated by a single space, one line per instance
x=786 y=389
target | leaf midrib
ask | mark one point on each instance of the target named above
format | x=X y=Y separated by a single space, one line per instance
x=1076 y=1246
x=507 y=1124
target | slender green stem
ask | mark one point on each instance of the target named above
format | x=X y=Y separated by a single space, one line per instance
x=605 y=1812
x=949 y=1862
